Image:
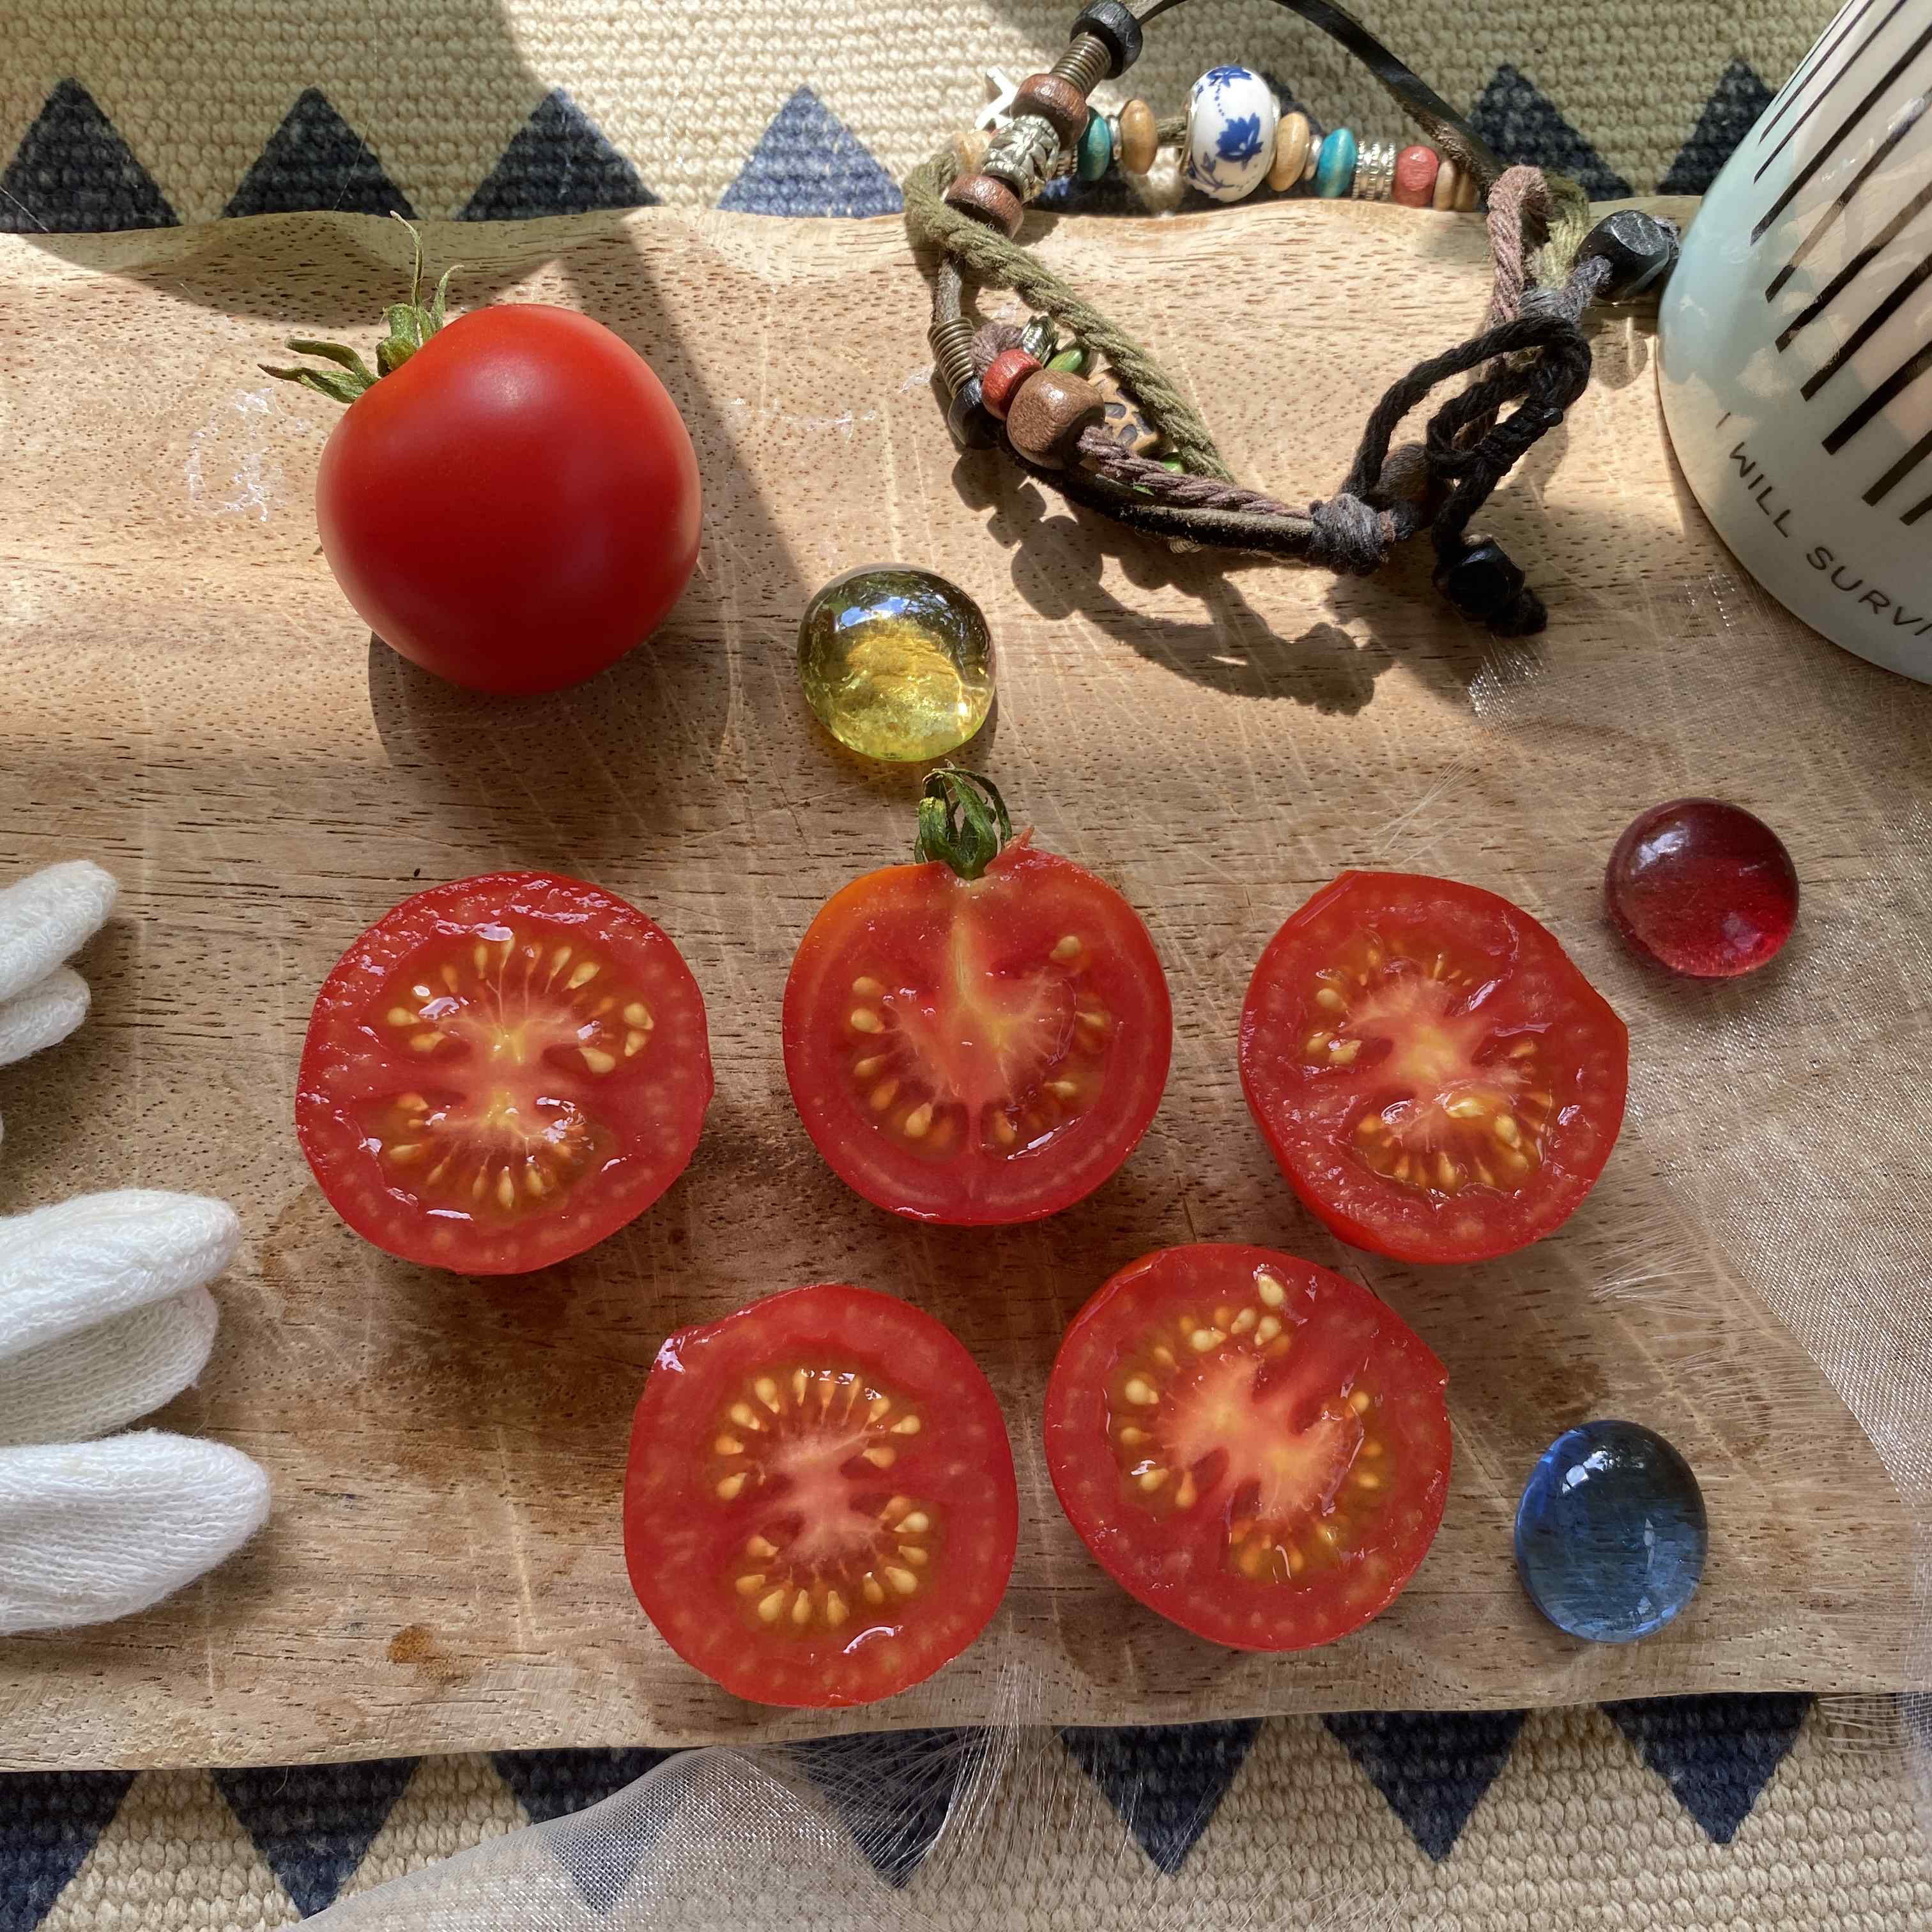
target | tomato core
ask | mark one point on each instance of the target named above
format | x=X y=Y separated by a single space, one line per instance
x=820 y=1508
x=1436 y=1079
x=1253 y=1447
x=981 y=1051
x=502 y=1071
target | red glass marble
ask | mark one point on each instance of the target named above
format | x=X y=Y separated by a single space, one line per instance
x=1701 y=887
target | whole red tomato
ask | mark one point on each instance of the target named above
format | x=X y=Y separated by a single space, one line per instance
x=514 y=503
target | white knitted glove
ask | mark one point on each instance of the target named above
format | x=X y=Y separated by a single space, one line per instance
x=43 y=919
x=104 y=1315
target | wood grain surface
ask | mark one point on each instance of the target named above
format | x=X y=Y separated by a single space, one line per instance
x=188 y=698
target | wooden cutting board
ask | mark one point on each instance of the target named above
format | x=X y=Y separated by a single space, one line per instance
x=188 y=699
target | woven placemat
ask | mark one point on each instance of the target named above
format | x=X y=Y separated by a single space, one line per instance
x=1765 y=1812
x=119 y=117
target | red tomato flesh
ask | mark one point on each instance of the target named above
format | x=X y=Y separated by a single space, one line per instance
x=820 y=1508
x=502 y=1071
x=1437 y=1079
x=977 y=1051
x=516 y=505
x=1253 y=1447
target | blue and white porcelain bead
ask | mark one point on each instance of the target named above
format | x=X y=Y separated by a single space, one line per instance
x=1231 y=119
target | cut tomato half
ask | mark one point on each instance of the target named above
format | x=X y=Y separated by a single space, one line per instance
x=820 y=1508
x=1437 y=1079
x=501 y=1071
x=977 y=1049
x=1252 y=1446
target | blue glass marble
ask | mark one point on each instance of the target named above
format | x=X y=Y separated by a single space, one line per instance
x=1335 y=165
x=1610 y=1534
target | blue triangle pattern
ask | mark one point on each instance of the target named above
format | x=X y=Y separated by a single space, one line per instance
x=1165 y=1780
x=1068 y=194
x=1738 y=98
x=809 y=162
x=49 y=1821
x=315 y=159
x=1432 y=1766
x=894 y=1792
x=1716 y=1753
x=1518 y=120
x=314 y=1823
x=73 y=174
x=552 y=1784
x=555 y=1786
x=558 y=163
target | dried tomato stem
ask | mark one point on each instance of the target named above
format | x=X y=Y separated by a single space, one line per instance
x=962 y=821
x=411 y=324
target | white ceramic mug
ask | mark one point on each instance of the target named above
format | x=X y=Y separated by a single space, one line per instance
x=1797 y=339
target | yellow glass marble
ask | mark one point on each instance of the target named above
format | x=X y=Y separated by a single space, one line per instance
x=896 y=662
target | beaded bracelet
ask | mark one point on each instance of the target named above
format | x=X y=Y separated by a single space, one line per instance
x=1097 y=420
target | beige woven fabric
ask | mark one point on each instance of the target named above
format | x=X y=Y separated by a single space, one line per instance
x=1575 y=1835
x=684 y=87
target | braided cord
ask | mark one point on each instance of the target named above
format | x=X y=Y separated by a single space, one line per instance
x=1531 y=352
x=997 y=263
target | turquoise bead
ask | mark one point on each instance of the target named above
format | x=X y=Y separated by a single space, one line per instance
x=1096 y=154
x=1335 y=167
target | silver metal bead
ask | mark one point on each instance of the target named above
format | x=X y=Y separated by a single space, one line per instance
x=1374 y=171
x=1039 y=340
x=1023 y=155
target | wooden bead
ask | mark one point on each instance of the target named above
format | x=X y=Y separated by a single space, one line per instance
x=988 y=200
x=1468 y=196
x=1056 y=101
x=1415 y=171
x=969 y=149
x=1048 y=417
x=1004 y=374
x=1140 y=137
x=1448 y=179
x=1292 y=141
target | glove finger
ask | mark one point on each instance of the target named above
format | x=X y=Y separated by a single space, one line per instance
x=105 y=1377
x=93 y=1530
x=65 y=1267
x=48 y=1011
x=48 y=915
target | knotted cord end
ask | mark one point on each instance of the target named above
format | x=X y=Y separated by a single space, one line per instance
x=1348 y=535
